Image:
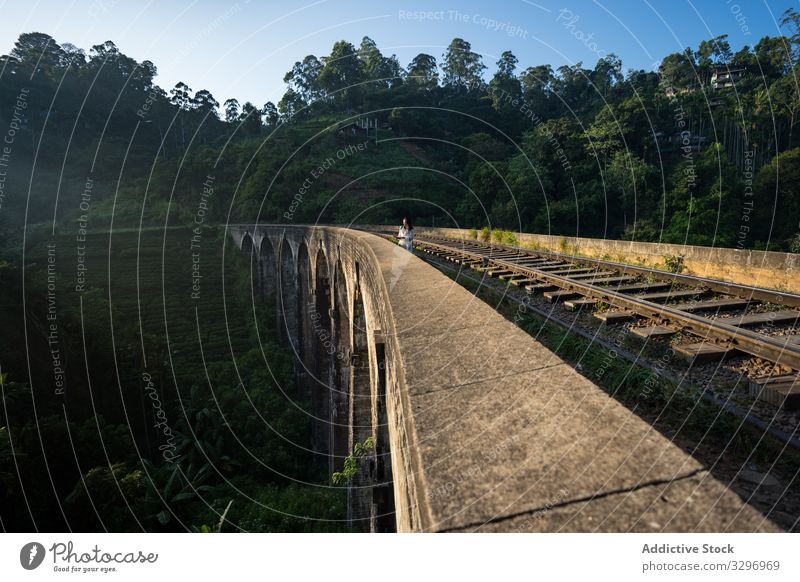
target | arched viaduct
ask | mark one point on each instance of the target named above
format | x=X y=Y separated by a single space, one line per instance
x=476 y=426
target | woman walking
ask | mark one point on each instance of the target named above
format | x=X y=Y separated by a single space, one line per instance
x=405 y=236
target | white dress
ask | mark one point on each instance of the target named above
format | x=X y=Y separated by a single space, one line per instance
x=408 y=241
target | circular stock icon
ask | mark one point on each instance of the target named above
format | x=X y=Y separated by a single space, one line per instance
x=31 y=555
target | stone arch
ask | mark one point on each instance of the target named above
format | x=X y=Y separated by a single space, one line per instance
x=384 y=517
x=267 y=271
x=322 y=350
x=340 y=417
x=287 y=295
x=359 y=506
x=304 y=269
x=247 y=244
x=305 y=372
x=249 y=252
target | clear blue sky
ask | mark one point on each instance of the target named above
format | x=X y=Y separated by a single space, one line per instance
x=242 y=48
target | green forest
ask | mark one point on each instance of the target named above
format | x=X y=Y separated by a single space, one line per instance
x=150 y=406
x=689 y=153
x=106 y=178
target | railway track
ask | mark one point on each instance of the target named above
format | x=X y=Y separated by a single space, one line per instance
x=725 y=319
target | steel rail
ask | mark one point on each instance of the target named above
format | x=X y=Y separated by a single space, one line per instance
x=734 y=289
x=731 y=336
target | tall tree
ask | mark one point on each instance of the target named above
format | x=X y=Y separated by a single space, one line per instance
x=422 y=71
x=393 y=71
x=303 y=79
x=251 y=119
x=504 y=87
x=384 y=71
x=462 y=67
x=180 y=96
x=35 y=49
x=342 y=74
x=291 y=105
x=716 y=51
x=104 y=52
x=269 y=113
x=74 y=56
x=679 y=70
x=372 y=60
x=572 y=85
x=791 y=20
x=537 y=87
x=607 y=73
x=204 y=103
x=231 y=107
x=605 y=136
x=143 y=76
x=773 y=56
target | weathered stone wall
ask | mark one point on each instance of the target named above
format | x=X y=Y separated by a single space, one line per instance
x=767 y=269
x=477 y=425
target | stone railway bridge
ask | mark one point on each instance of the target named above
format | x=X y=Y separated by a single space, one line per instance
x=476 y=426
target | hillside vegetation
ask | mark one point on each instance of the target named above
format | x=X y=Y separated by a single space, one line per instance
x=678 y=154
x=150 y=405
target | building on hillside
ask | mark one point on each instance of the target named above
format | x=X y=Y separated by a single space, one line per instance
x=726 y=76
x=363 y=126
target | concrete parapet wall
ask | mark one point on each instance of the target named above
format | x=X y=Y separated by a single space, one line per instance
x=767 y=269
x=488 y=430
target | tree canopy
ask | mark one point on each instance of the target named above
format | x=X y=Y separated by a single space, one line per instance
x=576 y=149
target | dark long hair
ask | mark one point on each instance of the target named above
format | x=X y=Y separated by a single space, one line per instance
x=408 y=220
